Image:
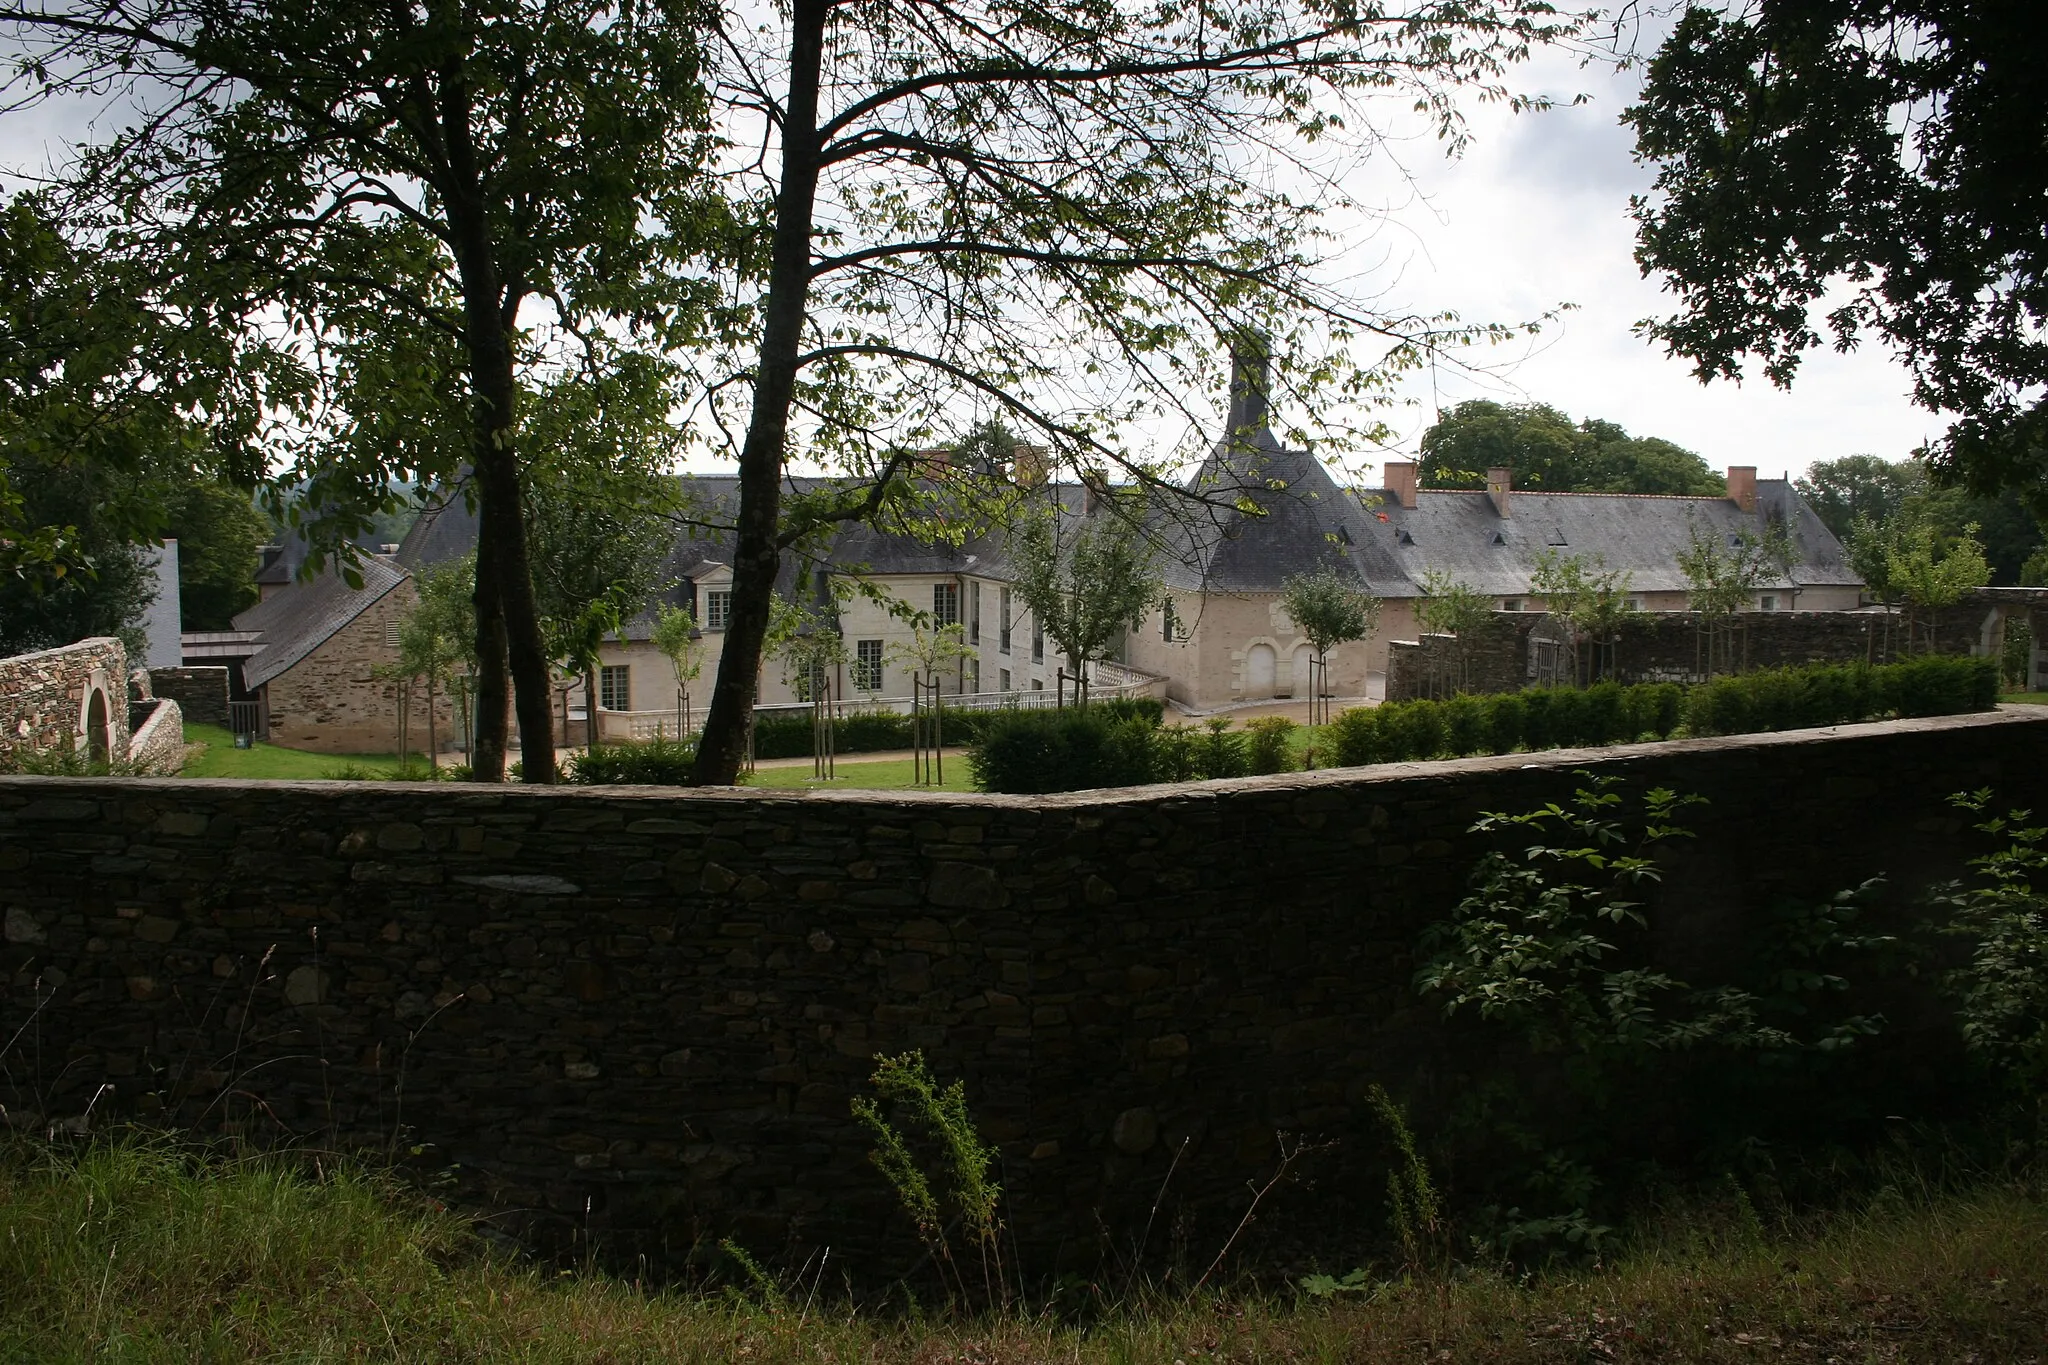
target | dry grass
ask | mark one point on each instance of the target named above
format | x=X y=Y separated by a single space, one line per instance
x=133 y=1252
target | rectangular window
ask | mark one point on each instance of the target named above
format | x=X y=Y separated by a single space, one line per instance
x=1767 y=602
x=867 y=665
x=1003 y=621
x=974 y=617
x=1166 y=620
x=1510 y=604
x=391 y=635
x=946 y=604
x=717 y=608
x=1037 y=641
x=1003 y=678
x=1038 y=684
x=974 y=675
x=615 y=687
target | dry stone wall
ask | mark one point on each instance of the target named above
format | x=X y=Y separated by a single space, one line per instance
x=1666 y=646
x=46 y=698
x=201 y=693
x=639 y=1015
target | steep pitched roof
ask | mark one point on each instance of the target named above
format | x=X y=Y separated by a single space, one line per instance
x=306 y=614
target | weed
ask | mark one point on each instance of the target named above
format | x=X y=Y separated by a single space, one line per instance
x=941 y=1114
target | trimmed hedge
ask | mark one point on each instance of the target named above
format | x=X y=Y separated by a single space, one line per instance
x=1608 y=713
x=1066 y=750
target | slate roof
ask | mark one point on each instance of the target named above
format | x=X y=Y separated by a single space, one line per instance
x=1459 y=533
x=306 y=614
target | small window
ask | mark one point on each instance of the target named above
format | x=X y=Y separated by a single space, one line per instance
x=974 y=617
x=717 y=608
x=1003 y=621
x=946 y=604
x=1634 y=603
x=1037 y=642
x=1510 y=604
x=391 y=635
x=1038 y=684
x=1166 y=621
x=867 y=665
x=1767 y=602
x=1003 y=678
x=615 y=687
x=974 y=675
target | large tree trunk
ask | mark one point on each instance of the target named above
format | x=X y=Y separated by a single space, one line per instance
x=508 y=621
x=756 y=552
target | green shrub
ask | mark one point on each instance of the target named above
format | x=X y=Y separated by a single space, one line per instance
x=1179 y=758
x=1507 y=720
x=652 y=763
x=1267 y=745
x=1065 y=750
x=1354 y=737
x=1413 y=730
x=1468 y=726
x=1221 y=752
x=1940 y=685
x=1150 y=710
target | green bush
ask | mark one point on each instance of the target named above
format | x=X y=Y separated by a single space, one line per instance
x=653 y=762
x=1355 y=737
x=1064 y=750
x=1267 y=745
x=1939 y=685
x=1468 y=725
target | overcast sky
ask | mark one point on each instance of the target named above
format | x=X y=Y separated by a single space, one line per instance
x=1536 y=214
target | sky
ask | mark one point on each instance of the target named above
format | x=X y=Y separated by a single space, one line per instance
x=1536 y=215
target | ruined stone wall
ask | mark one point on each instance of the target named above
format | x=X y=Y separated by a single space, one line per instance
x=1666 y=646
x=201 y=693
x=639 y=1015
x=46 y=698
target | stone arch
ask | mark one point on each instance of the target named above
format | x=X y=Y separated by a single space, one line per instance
x=98 y=719
x=1261 y=670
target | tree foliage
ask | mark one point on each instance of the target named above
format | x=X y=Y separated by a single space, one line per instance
x=1087 y=579
x=1545 y=450
x=1049 y=210
x=424 y=208
x=1890 y=495
x=1863 y=168
x=1329 y=607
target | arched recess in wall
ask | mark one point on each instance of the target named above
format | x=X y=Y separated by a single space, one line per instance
x=98 y=743
x=1261 y=667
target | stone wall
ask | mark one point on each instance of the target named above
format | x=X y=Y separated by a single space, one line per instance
x=47 y=699
x=201 y=693
x=1666 y=646
x=638 y=1015
x=158 y=744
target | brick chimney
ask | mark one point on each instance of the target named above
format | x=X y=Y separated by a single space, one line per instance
x=1742 y=486
x=1498 y=487
x=1400 y=482
x=1251 y=385
x=1030 y=466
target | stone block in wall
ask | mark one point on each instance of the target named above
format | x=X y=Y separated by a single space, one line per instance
x=201 y=692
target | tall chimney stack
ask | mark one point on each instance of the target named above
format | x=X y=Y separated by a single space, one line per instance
x=1400 y=482
x=1498 y=487
x=1742 y=486
x=1251 y=386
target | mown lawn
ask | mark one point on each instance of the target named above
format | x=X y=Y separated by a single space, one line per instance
x=220 y=758
x=882 y=775
x=128 y=1252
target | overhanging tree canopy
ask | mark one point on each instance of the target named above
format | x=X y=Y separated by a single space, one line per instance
x=1050 y=210
x=1855 y=168
x=428 y=201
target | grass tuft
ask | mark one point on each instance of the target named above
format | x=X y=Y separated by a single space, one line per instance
x=143 y=1251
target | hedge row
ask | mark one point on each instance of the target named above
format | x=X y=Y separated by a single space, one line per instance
x=1608 y=713
x=1050 y=751
x=787 y=734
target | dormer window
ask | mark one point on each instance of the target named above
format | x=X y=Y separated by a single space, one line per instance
x=1499 y=539
x=1404 y=538
x=717 y=608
